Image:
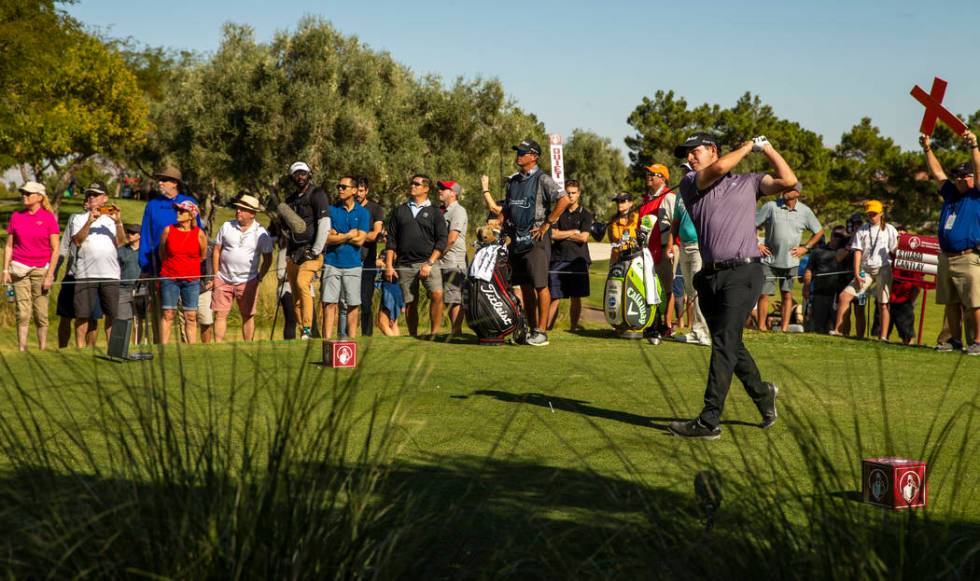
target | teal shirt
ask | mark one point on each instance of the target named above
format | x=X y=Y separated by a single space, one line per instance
x=685 y=226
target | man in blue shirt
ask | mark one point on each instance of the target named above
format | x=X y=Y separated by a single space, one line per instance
x=350 y=223
x=958 y=279
x=159 y=213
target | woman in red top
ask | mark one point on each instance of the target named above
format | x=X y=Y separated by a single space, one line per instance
x=32 y=247
x=182 y=248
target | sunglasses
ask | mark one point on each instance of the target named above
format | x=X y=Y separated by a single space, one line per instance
x=655 y=175
x=167 y=180
x=418 y=184
x=26 y=194
x=342 y=187
x=183 y=211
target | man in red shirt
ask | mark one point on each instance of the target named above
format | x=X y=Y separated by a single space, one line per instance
x=659 y=201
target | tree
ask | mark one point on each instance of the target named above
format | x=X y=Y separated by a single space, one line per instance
x=238 y=119
x=78 y=100
x=599 y=168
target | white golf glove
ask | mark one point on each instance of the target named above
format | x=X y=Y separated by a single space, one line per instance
x=759 y=143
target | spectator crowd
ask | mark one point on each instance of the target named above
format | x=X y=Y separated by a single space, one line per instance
x=337 y=249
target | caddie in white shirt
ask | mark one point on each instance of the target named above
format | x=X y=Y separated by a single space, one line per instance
x=237 y=272
x=97 y=234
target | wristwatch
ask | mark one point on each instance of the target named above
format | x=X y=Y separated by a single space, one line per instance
x=430 y=263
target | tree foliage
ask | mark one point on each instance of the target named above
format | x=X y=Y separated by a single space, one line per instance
x=837 y=180
x=598 y=166
x=239 y=118
x=66 y=98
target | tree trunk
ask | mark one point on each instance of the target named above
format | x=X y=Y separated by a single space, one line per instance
x=62 y=177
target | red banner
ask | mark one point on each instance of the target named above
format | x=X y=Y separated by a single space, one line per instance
x=916 y=260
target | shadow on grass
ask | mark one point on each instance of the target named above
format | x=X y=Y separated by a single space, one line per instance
x=582 y=407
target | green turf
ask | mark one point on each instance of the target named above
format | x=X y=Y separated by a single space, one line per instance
x=593 y=401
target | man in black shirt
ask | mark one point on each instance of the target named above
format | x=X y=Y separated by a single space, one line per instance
x=570 y=260
x=305 y=250
x=417 y=237
x=369 y=254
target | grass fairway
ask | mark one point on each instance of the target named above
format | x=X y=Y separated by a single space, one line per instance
x=448 y=459
x=512 y=444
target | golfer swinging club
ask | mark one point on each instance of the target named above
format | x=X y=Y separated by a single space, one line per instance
x=722 y=206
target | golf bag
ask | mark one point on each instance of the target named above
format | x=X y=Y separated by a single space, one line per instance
x=492 y=309
x=633 y=292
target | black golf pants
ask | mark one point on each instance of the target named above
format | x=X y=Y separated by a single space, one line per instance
x=726 y=298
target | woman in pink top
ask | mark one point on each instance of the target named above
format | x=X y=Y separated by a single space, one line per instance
x=182 y=248
x=32 y=247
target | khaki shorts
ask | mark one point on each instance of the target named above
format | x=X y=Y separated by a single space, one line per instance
x=880 y=280
x=205 y=316
x=32 y=301
x=958 y=280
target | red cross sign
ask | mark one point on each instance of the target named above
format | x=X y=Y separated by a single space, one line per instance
x=933 y=102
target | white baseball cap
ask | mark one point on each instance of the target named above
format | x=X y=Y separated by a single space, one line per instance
x=299 y=166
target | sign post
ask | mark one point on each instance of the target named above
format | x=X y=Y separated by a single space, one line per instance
x=557 y=159
x=916 y=258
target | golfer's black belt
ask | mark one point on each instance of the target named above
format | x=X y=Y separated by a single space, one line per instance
x=727 y=264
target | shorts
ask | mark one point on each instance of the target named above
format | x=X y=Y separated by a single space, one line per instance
x=245 y=294
x=91 y=291
x=65 y=305
x=880 y=280
x=341 y=284
x=569 y=279
x=958 y=280
x=531 y=267
x=452 y=284
x=783 y=276
x=205 y=316
x=186 y=291
x=32 y=300
x=409 y=278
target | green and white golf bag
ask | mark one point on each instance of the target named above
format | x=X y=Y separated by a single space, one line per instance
x=633 y=292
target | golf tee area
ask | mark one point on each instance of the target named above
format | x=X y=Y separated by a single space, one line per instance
x=454 y=460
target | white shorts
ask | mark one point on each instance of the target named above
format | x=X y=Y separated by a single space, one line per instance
x=880 y=280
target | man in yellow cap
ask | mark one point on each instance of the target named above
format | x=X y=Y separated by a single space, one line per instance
x=659 y=201
x=873 y=245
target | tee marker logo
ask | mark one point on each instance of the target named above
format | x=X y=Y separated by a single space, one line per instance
x=933 y=102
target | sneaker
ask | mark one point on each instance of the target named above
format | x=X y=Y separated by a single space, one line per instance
x=694 y=430
x=974 y=349
x=537 y=339
x=694 y=339
x=767 y=407
x=653 y=339
x=306 y=334
x=948 y=346
x=833 y=333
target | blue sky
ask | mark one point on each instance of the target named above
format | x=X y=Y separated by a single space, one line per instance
x=588 y=64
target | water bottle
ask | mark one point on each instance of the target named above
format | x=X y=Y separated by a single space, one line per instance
x=11 y=295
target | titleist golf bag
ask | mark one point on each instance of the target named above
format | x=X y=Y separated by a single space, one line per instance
x=493 y=311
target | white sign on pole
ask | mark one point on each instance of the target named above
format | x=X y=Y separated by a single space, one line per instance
x=557 y=159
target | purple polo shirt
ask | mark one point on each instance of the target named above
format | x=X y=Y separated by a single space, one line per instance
x=724 y=215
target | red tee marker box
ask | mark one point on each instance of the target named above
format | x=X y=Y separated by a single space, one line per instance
x=340 y=353
x=894 y=482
